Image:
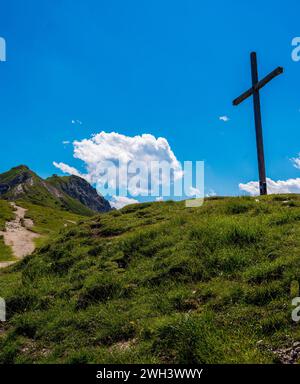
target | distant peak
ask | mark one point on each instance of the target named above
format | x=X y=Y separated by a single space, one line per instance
x=22 y=167
x=71 y=193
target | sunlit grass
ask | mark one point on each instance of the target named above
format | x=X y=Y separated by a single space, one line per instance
x=158 y=283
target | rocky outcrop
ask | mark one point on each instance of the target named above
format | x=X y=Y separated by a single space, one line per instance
x=15 y=178
x=81 y=190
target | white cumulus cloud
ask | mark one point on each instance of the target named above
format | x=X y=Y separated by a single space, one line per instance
x=274 y=187
x=119 y=202
x=211 y=193
x=194 y=192
x=102 y=149
x=67 y=169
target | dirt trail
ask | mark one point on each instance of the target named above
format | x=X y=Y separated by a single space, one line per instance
x=18 y=236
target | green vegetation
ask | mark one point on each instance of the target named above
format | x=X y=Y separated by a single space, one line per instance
x=6 y=177
x=38 y=195
x=159 y=283
x=5 y=251
x=48 y=221
x=59 y=181
x=28 y=186
x=6 y=214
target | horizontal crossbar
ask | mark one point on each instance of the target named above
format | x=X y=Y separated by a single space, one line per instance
x=258 y=86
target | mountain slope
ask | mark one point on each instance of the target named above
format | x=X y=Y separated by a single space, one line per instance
x=160 y=283
x=81 y=190
x=21 y=183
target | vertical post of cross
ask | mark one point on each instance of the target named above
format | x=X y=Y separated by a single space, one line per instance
x=258 y=127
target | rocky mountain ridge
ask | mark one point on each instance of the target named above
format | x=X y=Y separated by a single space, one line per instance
x=71 y=193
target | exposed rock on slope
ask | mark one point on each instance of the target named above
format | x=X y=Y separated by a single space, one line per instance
x=81 y=190
x=70 y=193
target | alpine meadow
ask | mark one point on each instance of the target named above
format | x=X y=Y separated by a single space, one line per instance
x=149 y=190
x=158 y=283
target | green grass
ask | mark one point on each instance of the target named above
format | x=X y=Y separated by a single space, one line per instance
x=39 y=195
x=48 y=221
x=159 y=283
x=6 y=214
x=12 y=173
x=5 y=252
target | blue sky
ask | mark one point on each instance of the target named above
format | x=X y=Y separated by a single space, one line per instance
x=166 y=68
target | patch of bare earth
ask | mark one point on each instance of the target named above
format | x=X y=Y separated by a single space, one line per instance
x=18 y=236
x=122 y=346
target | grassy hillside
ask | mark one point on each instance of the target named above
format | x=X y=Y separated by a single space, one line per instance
x=159 y=283
x=39 y=195
x=47 y=222
x=6 y=214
